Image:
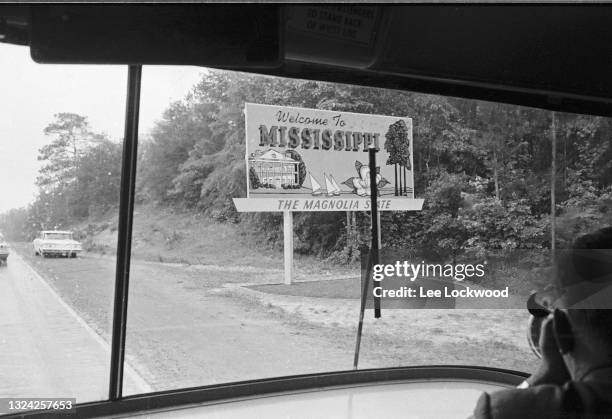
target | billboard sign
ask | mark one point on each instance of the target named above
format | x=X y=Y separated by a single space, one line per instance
x=302 y=159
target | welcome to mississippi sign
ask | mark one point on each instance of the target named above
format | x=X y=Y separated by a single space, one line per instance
x=316 y=160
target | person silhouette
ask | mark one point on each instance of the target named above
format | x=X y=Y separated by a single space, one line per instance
x=574 y=378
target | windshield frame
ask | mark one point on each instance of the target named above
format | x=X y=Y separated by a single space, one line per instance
x=255 y=387
x=295 y=384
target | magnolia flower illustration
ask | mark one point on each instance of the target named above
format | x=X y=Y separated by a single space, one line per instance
x=361 y=182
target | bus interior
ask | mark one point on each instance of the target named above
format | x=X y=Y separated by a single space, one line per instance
x=454 y=68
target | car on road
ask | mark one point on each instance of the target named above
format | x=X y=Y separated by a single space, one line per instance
x=4 y=250
x=56 y=243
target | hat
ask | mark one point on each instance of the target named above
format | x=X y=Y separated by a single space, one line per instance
x=582 y=277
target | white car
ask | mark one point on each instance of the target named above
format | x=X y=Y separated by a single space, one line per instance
x=56 y=243
x=4 y=250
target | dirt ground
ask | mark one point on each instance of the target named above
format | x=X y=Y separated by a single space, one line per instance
x=416 y=337
x=192 y=325
x=182 y=331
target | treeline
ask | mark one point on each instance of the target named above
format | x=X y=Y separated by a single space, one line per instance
x=79 y=177
x=484 y=169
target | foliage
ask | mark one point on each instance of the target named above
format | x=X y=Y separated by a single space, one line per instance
x=484 y=170
x=79 y=177
x=12 y=224
x=98 y=177
x=498 y=230
x=62 y=156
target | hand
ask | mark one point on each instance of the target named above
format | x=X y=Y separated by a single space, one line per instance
x=552 y=369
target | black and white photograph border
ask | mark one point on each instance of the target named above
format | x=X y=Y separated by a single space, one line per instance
x=425 y=216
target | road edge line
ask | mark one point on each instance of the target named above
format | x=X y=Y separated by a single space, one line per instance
x=140 y=382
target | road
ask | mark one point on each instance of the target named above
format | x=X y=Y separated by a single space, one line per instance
x=183 y=329
x=46 y=349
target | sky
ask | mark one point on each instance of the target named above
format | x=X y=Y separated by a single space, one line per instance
x=30 y=94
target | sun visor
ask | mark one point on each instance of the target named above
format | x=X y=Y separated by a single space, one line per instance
x=224 y=36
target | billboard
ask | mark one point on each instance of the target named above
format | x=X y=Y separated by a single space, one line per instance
x=302 y=159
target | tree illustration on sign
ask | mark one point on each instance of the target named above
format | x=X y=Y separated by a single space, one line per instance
x=301 y=166
x=254 y=179
x=397 y=145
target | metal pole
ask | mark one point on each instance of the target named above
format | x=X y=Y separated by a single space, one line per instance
x=373 y=256
x=379 y=238
x=124 y=233
x=375 y=221
x=553 y=178
x=364 y=296
x=288 y=245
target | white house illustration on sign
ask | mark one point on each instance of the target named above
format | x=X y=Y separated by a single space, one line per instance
x=275 y=168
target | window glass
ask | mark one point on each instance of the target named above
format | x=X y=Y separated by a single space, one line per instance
x=209 y=302
x=212 y=296
x=61 y=135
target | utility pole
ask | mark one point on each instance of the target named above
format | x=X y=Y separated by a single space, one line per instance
x=553 y=172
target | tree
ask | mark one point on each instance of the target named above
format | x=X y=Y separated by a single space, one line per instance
x=183 y=124
x=492 y=130
x=497 y=155
x=99 y=177
x=72 y=137
x=80 y=172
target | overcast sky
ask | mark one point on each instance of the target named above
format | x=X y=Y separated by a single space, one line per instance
x=30 y=94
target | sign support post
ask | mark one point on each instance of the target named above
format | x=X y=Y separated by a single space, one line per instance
x=375 y=221
x=288 y=245
x=314 y=160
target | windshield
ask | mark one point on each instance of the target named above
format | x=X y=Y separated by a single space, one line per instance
x=225 y=286
x=58 y=236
